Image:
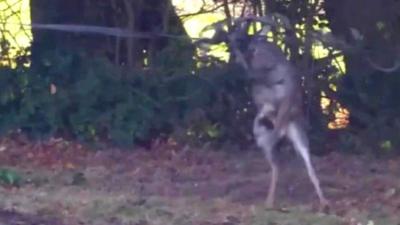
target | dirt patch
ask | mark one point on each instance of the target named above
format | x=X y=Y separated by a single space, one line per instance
x=177 y=185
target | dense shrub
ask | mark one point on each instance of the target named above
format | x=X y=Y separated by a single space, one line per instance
x=373 y=101
x=89 y=99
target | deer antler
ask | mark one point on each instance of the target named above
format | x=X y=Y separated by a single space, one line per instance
x=236 y=31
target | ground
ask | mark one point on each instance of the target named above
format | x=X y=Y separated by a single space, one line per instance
x=64 y=183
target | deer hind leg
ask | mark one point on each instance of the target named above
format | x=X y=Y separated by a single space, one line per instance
x=266 y=139
x=274 y=177
x=299 y=140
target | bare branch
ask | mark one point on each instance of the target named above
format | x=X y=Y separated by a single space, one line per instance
x=202 y=10
x=329 y=39
x=131 y=27
x=227 y=12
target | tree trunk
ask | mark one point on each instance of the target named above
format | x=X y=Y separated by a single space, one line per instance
x=156 y=16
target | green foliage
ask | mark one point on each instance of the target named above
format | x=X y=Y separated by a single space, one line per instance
x=372 y=100
x=71 y=95
x=10 y=177
x=229 y=113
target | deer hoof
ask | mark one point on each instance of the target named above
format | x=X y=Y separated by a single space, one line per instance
x=269 y=204
x=324 y=206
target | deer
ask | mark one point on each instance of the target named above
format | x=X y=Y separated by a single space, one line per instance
x=277 y=94
x=276 y=91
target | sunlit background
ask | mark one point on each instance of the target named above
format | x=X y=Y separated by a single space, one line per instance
x=13 y=14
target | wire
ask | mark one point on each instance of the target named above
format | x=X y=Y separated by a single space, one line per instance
x=110 y=31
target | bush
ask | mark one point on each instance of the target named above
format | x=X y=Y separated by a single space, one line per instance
x=71 y=95
x=372 y=100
